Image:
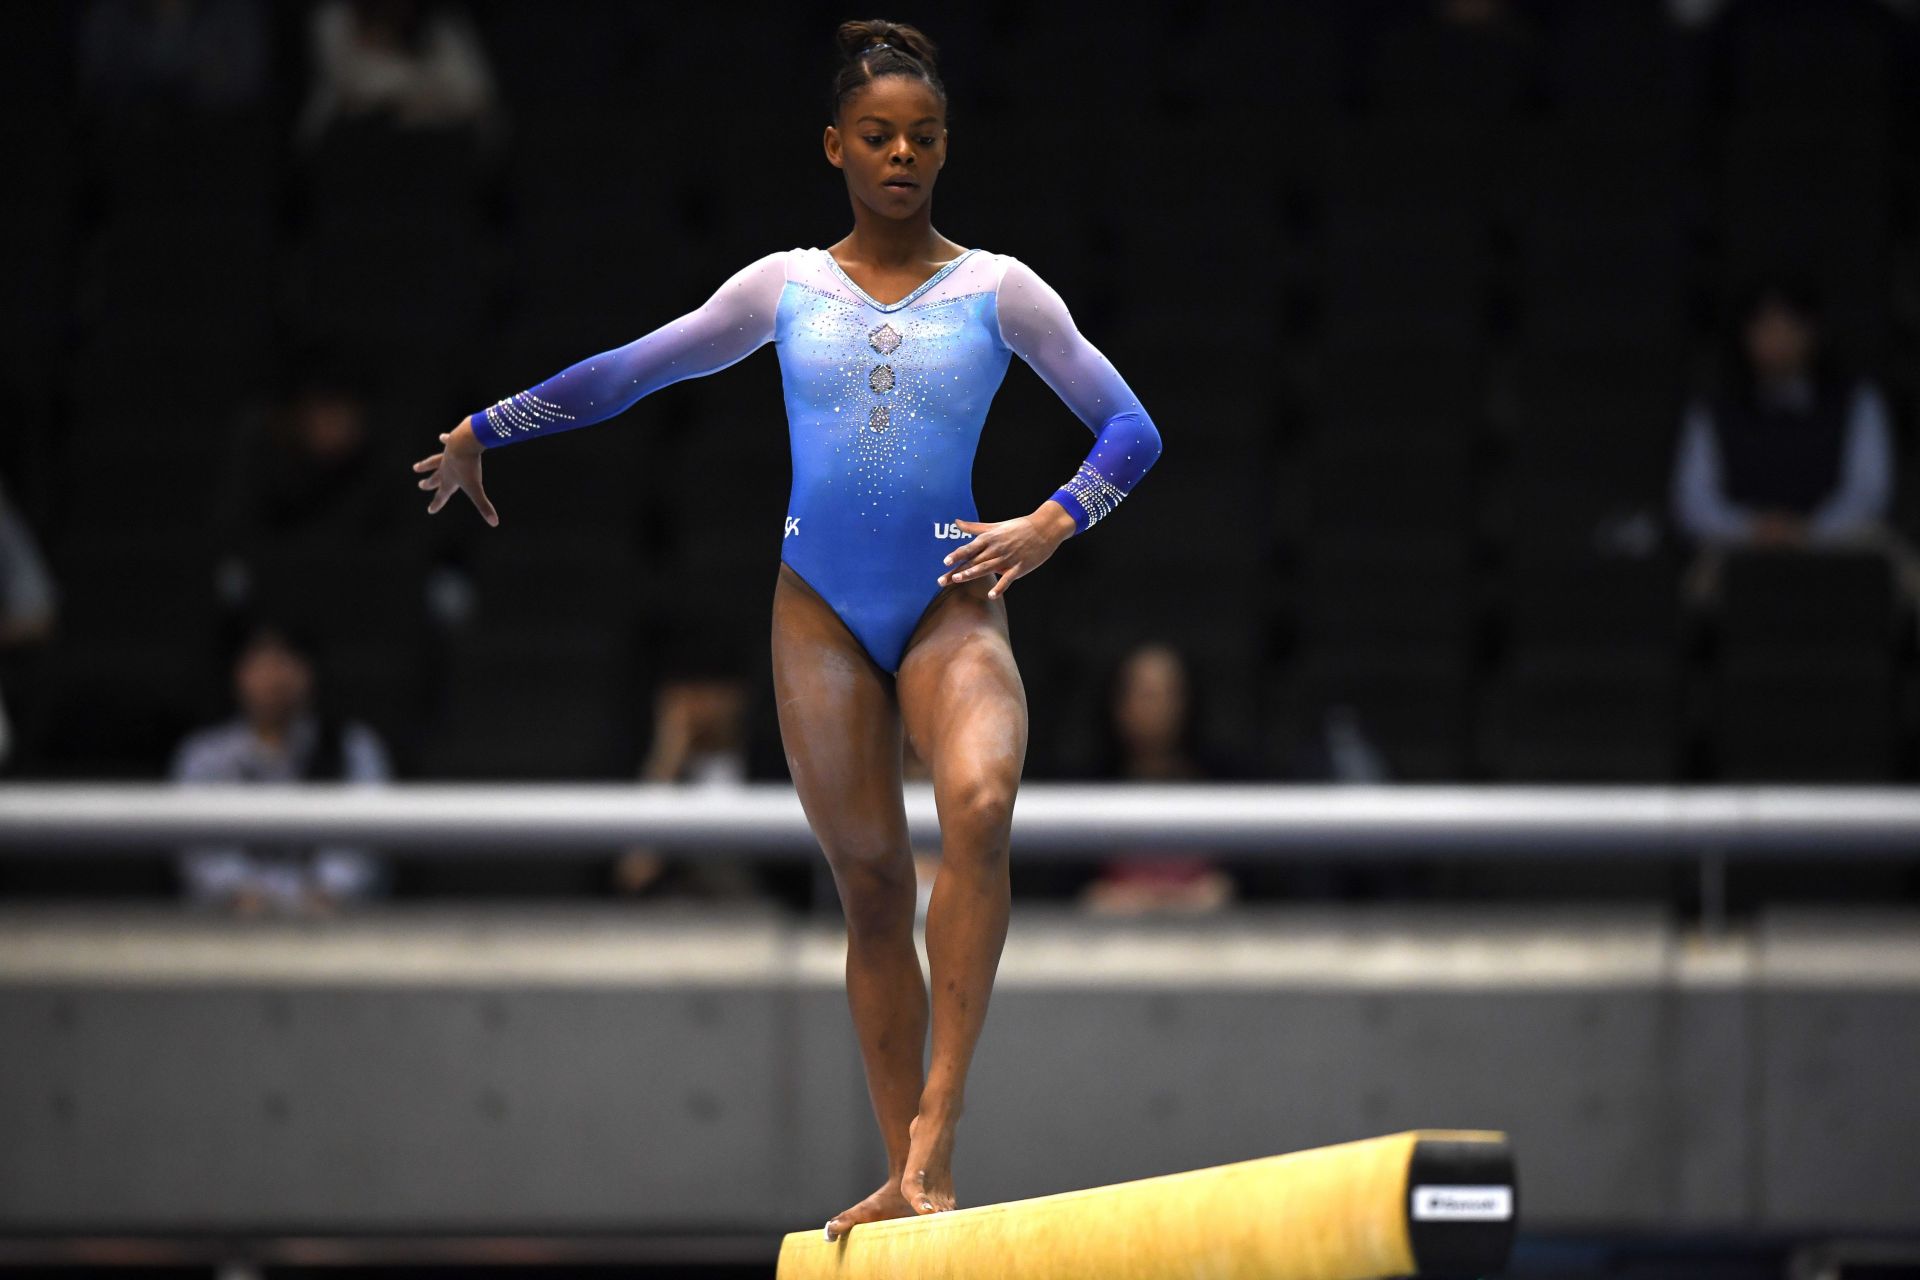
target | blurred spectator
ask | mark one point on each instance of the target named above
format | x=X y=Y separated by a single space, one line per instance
x=27 y=601
x=283 y=731
x=419 y=63
x=1150 y=734
x=142 y=54
x=1339 y=750
x=1789 y=450
x=699 y=740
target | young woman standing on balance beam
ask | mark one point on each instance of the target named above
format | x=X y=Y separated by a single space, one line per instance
x=891 y=344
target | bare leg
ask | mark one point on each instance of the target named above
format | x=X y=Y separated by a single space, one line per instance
x=840 y=725
x=966 y=711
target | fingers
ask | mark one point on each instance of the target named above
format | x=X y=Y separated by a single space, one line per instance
x=965 y=569
x=479 y=497
x=431 y=465
x=444 y=485
x=1007 y=576
x=963 y=553
x=995 y=563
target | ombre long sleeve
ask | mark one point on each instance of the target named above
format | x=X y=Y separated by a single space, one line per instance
x=732 y=324
x=1036 y=326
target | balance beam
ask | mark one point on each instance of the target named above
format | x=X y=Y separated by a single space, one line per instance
x=1427 y=1202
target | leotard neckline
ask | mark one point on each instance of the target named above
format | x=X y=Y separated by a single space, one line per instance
x=919 y=289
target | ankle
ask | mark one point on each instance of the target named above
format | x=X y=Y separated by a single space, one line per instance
x=940 y=1109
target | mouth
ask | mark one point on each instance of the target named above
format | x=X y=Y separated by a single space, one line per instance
x=900 y=184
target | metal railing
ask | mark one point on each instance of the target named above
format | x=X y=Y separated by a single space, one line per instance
x=1051 y=820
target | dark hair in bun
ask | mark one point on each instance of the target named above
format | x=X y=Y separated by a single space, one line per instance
x=907 y=52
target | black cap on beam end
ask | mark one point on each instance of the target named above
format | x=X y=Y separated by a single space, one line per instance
x=1462 y=1205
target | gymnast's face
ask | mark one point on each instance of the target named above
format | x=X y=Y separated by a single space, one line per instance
x=890 y=142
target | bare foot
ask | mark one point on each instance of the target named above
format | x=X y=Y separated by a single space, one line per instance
x=927 y=1183
x=885 y=1203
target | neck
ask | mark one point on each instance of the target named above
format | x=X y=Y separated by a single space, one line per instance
x=895 y=242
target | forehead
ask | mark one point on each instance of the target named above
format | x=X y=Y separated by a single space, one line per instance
x=897 y=99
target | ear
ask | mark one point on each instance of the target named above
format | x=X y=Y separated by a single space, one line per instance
x=831 y=142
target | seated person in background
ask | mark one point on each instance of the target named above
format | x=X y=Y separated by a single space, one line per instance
x=282 y=733
x=420 y=64
x=699 y=739
x=1788 y=451
x=1150 y=736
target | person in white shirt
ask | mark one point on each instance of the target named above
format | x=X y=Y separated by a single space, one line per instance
x=282 y=732
x=1789 y=451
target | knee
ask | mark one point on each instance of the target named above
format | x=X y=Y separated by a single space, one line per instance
x=877 y=890
x=980 y=809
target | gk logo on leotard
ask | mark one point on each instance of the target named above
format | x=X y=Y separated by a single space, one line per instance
x=950 y=531
x=793 y=527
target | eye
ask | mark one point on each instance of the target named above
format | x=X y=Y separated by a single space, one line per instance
x=873 y=139
x=926 y=142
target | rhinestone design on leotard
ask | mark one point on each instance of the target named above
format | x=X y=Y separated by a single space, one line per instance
x=1094 y=492
x=884 y=339
x=524 y=411
x=881 y=379
x=877 y=417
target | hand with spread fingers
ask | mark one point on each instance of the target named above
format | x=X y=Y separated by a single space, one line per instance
x=1009 y=548
x=456 y=468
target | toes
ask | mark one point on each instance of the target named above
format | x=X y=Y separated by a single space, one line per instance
x=925 y=1200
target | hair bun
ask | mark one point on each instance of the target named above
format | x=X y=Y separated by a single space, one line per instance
x=874 y=47
x=859 y=38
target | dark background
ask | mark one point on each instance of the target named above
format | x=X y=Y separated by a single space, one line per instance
x=1415 y=302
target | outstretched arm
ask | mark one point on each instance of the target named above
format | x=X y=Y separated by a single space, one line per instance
x=736 y=321
x=1036 y=325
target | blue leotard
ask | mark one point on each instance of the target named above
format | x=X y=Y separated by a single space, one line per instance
x=885 y=402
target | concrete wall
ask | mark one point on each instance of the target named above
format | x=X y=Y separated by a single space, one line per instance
x=613 y=1069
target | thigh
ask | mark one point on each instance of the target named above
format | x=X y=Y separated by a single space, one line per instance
x=839 y=726
x=961 y=698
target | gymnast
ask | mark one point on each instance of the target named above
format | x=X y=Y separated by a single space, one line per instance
x=891 y=345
